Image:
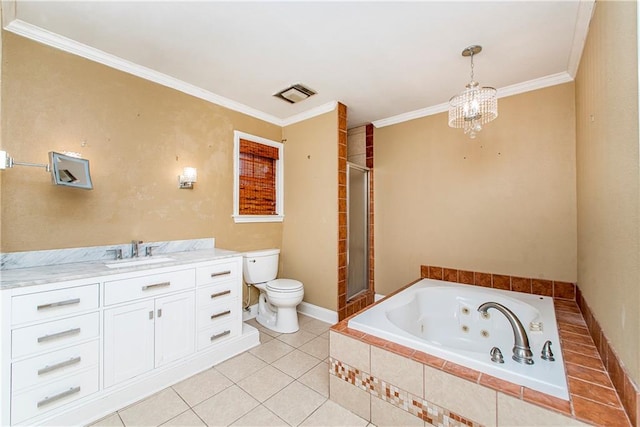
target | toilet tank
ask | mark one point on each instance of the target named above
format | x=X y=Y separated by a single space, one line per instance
x=260 y=266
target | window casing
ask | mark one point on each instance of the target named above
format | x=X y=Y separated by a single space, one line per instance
x=257 y=179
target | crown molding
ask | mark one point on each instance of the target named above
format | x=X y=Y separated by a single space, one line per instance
x=8 y=11
x=416 y=114
x=552 y=80
x=57 y=41
x=585 y=13
x=316 y=111
x=63 y=43
x=535 y=84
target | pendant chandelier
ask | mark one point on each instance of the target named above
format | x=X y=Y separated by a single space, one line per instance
x=475 y=106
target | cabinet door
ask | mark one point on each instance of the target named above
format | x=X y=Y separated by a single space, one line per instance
x=128 y=341
x=175 y=327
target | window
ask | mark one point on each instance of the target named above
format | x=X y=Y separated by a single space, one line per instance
x=257 y=183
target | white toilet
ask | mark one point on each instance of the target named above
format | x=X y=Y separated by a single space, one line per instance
x=278 y=297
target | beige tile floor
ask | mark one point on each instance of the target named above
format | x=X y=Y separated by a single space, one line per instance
x=284 y=381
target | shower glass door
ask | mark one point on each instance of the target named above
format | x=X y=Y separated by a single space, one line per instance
x=357 y=229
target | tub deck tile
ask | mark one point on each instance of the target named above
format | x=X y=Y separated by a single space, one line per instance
x=576 y=338
x=595 y=392
x=588 y=374
x=547 y=401
x=462 y=371
x=354 y=333
x=564 y=305
x=399 y=349
x=582 y=359
x=501 y=385
x=604 y=415
x=582 y=330
x=570 y=318
x=428 y=359
x=587 y=350
x=373 y=340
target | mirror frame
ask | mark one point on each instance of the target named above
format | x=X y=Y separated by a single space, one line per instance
x=57 y=174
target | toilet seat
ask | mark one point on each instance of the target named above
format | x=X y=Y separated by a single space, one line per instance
x=284 y=286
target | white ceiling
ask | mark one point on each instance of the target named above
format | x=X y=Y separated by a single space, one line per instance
x=387 y=61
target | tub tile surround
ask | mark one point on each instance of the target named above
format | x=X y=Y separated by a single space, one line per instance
x=627 y=389
x=593 y=397
x=27 y=259
x=550 y=288
x=581 y=335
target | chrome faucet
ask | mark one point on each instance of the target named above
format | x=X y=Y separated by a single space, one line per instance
x=135 y=248
x=521 y=350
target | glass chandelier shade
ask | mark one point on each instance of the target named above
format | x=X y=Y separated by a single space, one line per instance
x=475 y=106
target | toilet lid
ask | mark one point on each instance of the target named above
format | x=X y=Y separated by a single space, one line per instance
x=284 y=285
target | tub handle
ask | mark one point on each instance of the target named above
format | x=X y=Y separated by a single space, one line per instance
x=547 y=354
x=496 y=355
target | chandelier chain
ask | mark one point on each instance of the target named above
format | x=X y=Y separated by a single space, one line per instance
x=471 y=66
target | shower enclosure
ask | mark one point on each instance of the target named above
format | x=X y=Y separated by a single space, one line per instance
x=357 y=229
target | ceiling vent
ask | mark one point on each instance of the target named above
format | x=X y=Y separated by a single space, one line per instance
x=295 y=93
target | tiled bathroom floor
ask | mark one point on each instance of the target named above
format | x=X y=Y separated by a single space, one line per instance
x=284 y=381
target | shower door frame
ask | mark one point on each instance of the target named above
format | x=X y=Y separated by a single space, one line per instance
x=367 y=218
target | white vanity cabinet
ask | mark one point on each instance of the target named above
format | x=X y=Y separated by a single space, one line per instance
x=74 y=351
x=156 y=330
x=219 y=314
x=54 y=349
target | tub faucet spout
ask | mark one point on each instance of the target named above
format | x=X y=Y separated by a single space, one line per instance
x=521 y=350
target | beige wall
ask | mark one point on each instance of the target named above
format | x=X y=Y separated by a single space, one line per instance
x=502 y=203
x=608 y=174
x=310 y=235
x=139 y=136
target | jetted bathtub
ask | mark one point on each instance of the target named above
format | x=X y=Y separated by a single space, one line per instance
x=442 y=319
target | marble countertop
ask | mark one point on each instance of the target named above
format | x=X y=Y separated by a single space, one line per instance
x=21 y=277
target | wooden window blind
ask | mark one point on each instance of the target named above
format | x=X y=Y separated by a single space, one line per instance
x=257 y=178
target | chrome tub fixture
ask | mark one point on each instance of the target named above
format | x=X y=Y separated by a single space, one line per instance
x=521 y=349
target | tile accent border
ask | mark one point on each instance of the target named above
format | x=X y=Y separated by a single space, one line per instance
x=550 y=288
x=401 y=399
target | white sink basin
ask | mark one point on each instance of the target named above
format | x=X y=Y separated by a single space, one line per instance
x=153 y=260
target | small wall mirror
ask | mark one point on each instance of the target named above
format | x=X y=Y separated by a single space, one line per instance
x=70 y=171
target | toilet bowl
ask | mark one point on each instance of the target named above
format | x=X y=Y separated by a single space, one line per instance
x=278 y=297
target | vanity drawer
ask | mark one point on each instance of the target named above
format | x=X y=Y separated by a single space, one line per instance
x=218 y=272
x=39 y=400
x=127 y=290
x=215 y=314
x=219 y=333
x=51 y=366
x=46 y=305
x=215 y=294
x=54 y=335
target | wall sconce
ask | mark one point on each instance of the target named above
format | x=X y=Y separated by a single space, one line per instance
x=188 y=177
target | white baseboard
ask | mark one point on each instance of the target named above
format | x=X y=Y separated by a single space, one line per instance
x=305 y=308
x=318 y=312
x=251 y=313
x=378 y=297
